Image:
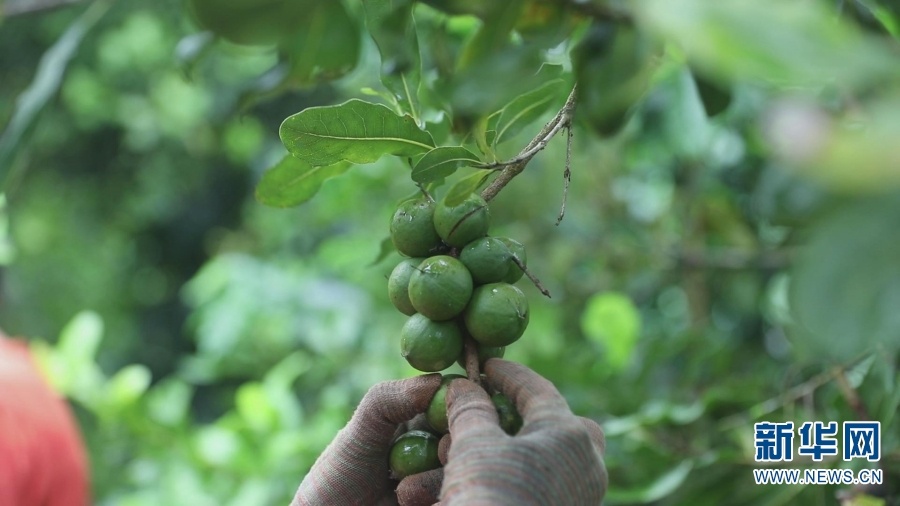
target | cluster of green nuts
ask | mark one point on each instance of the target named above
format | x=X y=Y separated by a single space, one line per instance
x=456 y=283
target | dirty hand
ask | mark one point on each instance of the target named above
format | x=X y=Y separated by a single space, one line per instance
x=354 y=469
x=556 y=458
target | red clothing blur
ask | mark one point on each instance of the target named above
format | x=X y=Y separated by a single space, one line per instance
x=42 y=460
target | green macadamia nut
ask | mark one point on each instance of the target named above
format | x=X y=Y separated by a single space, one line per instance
x=412 y=228
x=497 y=314
x=517 y=250
x=440 y=287
x=463 y=223
x=414 y=452
x=430 y=346
x=510 y=419
x=398 y=285
x=436 y=414
x=488 y=260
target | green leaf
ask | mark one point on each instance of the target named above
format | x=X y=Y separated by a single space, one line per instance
x=441 y=162
x=492 y=70
x=255 y=408
x=355 y=131
x=326 y=45
x=513 y=70
x=685 y=123
x=889 y=20
x=480 y=136
x=526 y=109
x=293 y=181
x=128 y=385
x=168 y=403
x=80 y=338
x=391 y=25
x=217 y=445
x=494 y=34
x=845 y=287
x=611 y=320
x=613 y=65
x=465 y=187
x=789 y=43
x=71 y=366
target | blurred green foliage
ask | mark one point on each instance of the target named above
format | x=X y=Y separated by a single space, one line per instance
x=728 y=253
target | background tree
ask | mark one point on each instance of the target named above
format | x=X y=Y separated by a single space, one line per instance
x=727 y=254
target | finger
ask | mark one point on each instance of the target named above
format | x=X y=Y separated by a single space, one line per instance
x=536 y=399
x=444 y=449
x=390 y=403
x=596 y=434
x=470 y=411
x=422 y=489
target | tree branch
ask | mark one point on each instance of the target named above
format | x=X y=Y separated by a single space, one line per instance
x=515 y=166
x=567 y=175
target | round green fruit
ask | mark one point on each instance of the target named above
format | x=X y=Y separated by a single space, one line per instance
x=440 y=287
x=517 y=250
x=436 y=414
x=488 y=260
x=510 y=419
x=250 y=22
x=398 y=285
x=463 y=223
x=497 y=314
x=414 y=452
x=484 y=353
x=430 y=346
x=412 y=228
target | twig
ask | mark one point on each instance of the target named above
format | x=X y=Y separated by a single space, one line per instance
x=532 y=277
x=425 y=192
x=567 y=175
x=514 y=166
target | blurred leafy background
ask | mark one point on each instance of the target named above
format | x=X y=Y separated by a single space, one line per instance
x=729 y=254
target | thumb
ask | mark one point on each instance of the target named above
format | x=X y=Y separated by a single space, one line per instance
x=470 y=412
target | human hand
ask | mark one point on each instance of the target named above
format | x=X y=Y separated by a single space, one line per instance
x=556 y=458
x=354 y=469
